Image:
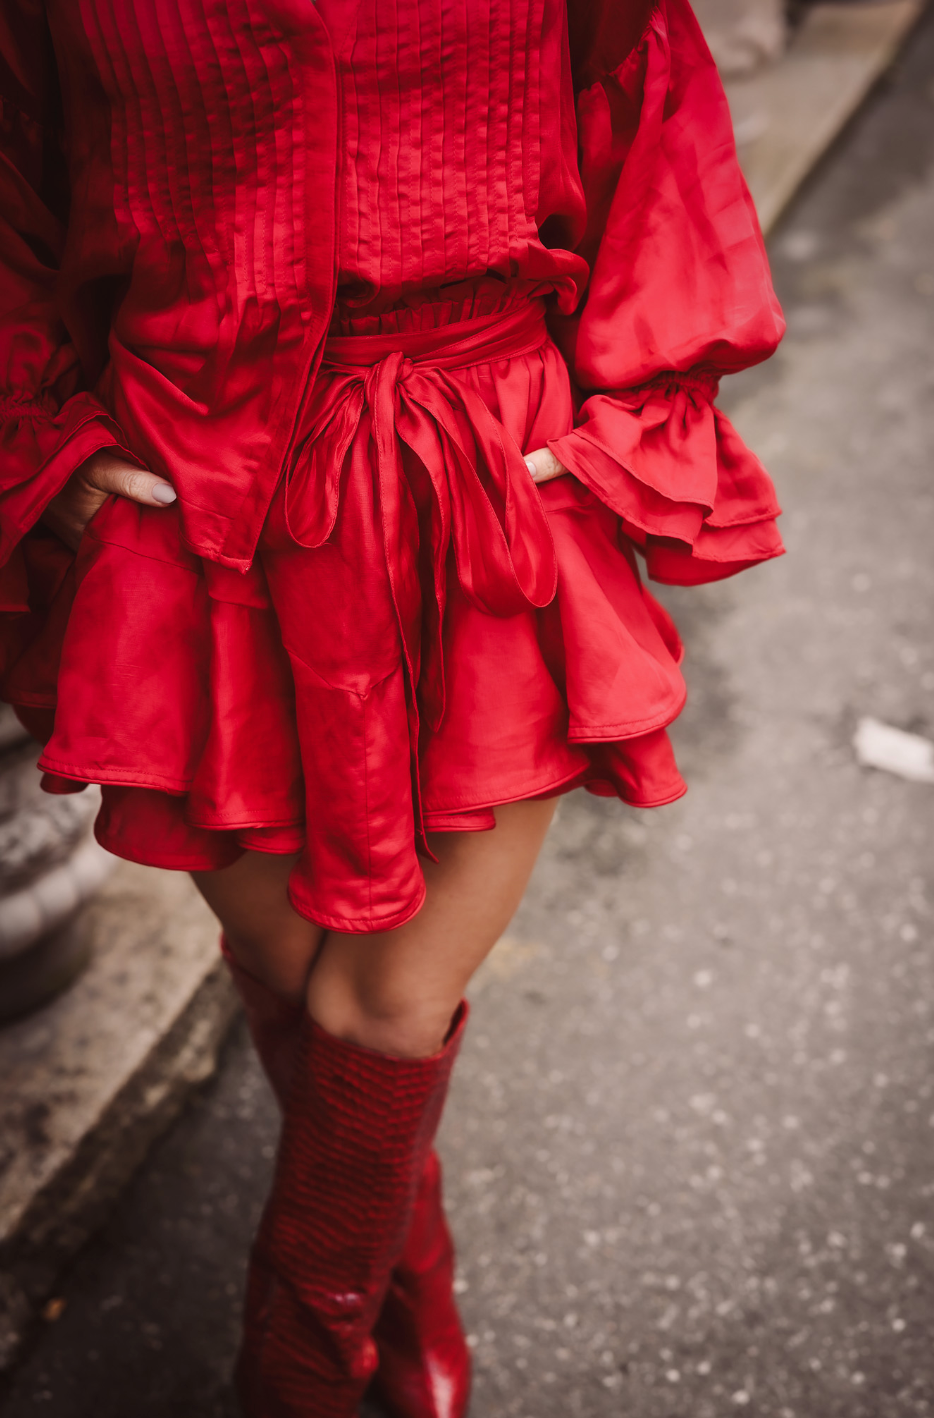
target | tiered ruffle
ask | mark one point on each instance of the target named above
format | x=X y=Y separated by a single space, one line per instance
x=689 y=493
x=424 y=634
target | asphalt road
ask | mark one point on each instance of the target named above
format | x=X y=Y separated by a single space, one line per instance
x=691 y=1142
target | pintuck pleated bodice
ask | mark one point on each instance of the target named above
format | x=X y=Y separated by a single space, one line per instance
x=442 y=171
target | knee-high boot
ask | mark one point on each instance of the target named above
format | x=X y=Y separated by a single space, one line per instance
x=424 y=1361
x=356 y=1137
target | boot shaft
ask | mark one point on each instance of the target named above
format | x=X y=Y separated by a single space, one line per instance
x=357 y=1134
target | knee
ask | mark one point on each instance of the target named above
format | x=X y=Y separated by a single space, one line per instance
x=280 y=956
x=408 y=1023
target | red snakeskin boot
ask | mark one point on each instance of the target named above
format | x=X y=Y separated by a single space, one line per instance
x=424 y=1362
x=356 y=1137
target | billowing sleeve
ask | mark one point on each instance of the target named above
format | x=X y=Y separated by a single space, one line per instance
x=48 y=425
x=679 y=295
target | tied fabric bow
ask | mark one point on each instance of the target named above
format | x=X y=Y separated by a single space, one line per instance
x=427 y=429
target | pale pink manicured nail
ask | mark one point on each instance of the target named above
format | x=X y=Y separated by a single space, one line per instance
x=162 y=492
x=531 y=467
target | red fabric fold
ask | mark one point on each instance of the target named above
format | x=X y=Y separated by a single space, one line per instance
x=38 y=454
x=679 y=275
x=679 y=295
x=193 y=291
x=246 y=670
x=271 y=711
x=691 y=495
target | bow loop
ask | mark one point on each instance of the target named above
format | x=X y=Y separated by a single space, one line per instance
x=446 y=473
x=312 y=492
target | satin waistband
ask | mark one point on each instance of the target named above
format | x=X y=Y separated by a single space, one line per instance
x=505 y=334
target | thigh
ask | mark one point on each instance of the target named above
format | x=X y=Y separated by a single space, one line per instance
x=269 y=938
x=396 y=990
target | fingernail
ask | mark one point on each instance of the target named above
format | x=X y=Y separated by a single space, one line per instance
x=162 y=492
x=531 y=467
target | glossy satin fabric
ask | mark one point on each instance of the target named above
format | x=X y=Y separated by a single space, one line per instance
x=432 y=98
x=361 y=620
x=481 y=502
x=206 y=196
x=425 y=634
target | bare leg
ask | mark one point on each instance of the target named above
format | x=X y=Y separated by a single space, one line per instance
x=268 y=938
x=396 y=991
x=341 y=1168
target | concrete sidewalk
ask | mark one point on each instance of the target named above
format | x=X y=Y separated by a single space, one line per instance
x=690 y=1147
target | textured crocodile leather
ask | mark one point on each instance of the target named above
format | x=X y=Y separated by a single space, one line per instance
x=424 y=1362
x=356 y=1139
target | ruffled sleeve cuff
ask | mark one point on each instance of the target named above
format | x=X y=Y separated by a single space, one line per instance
x=690 y=494
x=39 y=450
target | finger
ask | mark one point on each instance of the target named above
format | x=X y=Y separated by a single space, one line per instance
x=108 y=473
x=543 y=465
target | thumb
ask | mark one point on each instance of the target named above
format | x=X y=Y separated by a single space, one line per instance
x=543 y=465
x=109 y=473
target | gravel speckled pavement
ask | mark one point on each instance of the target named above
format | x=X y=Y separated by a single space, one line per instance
x=691 y=1142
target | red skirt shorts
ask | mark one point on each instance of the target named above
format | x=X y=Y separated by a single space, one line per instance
x=425 y=633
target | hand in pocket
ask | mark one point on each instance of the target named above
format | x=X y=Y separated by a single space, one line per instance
x=92 y=483
x=543 y=465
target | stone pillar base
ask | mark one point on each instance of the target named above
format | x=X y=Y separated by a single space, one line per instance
x=50 y=965
x=50 y=865
x=91 y=1079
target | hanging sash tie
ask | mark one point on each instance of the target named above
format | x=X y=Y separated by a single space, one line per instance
x=424 y=423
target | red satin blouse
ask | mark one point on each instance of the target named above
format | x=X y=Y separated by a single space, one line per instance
x=184 y=191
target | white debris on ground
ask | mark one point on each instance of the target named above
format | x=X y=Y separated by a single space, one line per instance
x=880 y=745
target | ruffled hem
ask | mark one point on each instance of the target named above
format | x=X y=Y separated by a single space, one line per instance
x=425 y=634
x=689 y=493
x=207 y=736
